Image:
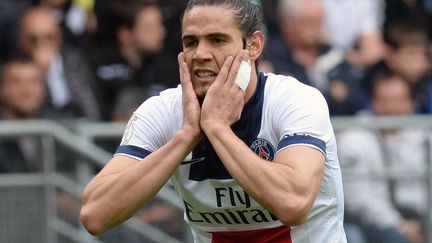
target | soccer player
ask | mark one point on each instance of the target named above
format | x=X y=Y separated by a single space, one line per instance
x=252 y=165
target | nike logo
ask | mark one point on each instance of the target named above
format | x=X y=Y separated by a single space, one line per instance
x=192 y=161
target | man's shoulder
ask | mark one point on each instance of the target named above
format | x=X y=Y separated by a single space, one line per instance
x=169 y=99
x=288 y=86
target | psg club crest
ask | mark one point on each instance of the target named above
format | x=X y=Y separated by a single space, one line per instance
x=263 y=148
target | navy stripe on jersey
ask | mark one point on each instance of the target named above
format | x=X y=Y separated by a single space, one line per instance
x=247 y=129
x=132 y=151
x=288 y=140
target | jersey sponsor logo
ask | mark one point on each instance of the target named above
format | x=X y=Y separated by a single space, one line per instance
x=263 y=148
x=233 y=206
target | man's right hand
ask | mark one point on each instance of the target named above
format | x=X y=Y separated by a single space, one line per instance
x=191 y=106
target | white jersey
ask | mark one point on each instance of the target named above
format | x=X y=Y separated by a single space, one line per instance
x=283 y=112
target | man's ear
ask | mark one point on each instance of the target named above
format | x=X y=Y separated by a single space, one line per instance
x=255 y=45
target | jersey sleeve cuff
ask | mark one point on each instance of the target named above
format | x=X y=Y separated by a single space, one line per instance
x=132 y=151
x=301 y=139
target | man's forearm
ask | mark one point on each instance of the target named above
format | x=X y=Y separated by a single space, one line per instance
x=119 y=191
x=276 y=186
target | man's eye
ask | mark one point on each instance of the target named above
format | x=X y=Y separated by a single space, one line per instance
x=189 y=43
x=218 y=40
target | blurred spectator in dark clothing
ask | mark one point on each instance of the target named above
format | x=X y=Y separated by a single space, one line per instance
x=417 y=11
x=301 y=51
x=22 y=95
x=70 y=82
x=344 y=94
x=300 y=46
x=407 y=54
x=76 y=20
x=10 y=12
x=172 y=11
x=137 y=57
x=387 y=210
x=356 y=27
x=270 y=16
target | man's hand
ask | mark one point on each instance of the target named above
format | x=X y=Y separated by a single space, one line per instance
x=224 y=100
x=191 y=107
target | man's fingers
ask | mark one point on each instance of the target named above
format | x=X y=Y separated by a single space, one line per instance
x=185 y=78
x=223 y=73
x=243 y=55
x=181 y=59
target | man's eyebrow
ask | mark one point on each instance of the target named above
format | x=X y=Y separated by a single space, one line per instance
x=211 y=35
x=188 y=37
x=218 y=34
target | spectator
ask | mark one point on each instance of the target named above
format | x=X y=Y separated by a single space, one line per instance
x=270 y=16
x=418 y=11
x=356 y=27
x=407 y=54
x=70 y=82
x=172 y=11
x=137 y=58
x=22 y=94
x=382 y=208
x=74 y=18
x=10 y=12
x=301 y=51
x=300 y=46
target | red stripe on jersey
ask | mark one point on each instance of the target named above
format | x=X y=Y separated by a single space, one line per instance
x=273 y=235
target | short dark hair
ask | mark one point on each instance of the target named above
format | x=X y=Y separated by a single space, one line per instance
x=248 y=16
x=405 y=32
x=125 y=12
x=14 y=59
x=387 y=76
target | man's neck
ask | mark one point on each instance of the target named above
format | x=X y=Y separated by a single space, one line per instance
x=252 y=85
x=16 y=115
x=132 y=56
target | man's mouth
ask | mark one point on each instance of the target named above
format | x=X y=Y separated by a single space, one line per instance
x=205 y=74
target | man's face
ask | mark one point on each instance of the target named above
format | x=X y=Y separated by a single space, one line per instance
x=410 y=61
x=149 y=32
x=392 y=98
x=210 y=35
x=306 y=28
x=22 y=89
x=39 y=32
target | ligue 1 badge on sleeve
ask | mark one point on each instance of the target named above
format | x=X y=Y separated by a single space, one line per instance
x=263 y=148
x=129 y=130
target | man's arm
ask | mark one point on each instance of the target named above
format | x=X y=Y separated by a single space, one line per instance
x=125 y=184
x=287 y=186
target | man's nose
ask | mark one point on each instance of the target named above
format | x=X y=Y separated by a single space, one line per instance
x=202 y=52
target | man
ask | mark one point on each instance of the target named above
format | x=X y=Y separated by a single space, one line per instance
x=301 y=50
x=257 y=165
x=356 y=27
x=70 y=83
x=407 y=55
x=386 y=210
x=22 y=98
x=22 y=93
x=137 y=57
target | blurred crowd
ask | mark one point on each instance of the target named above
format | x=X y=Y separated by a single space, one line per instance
x=99 y=60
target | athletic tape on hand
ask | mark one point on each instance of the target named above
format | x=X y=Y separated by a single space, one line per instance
x=243 y=75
